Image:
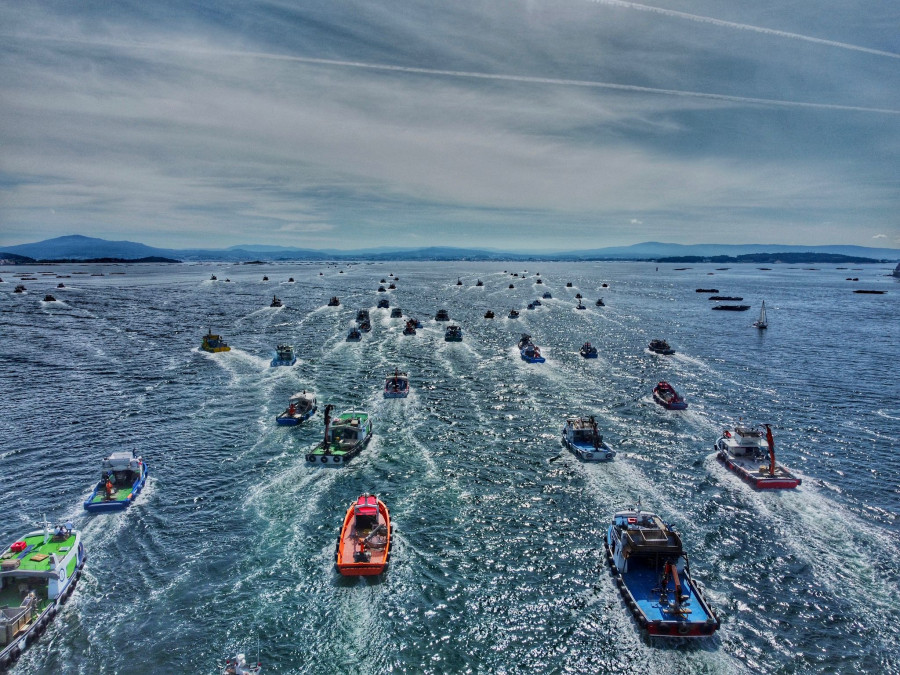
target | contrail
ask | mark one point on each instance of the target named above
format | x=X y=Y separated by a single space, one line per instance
x=474 y=75
x=746 y=27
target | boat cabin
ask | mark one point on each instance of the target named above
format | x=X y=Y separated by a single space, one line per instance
x=640 y=533
x=123 y=467
x=366 y=512
x=746 y=442
x=346 y=432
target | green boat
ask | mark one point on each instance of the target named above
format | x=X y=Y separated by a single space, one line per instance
x=345 y=437
x=37 y=574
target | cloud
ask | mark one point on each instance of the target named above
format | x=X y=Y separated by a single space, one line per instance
x=635 y=221
x=880 y=236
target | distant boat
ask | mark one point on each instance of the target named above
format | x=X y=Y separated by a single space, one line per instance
x=660 y=347
x=334 y=302
x=896 y=271
x=453 y=334
x=458 y=281
x=275 y=302
x=734 y=308
x=762 y=322
x=442 y=315
x=396 y=313
x=588 y=351
x=354 y=335
x=49 y=298
x=489 y=314
x=569 y=284
x=539 y=281
x=600 y=303
x=19 y=289
x=364 y=545
x=213 y=278
x=513 y=314
x=547 y=295
x=214 y=343
x=392 y=287
x=60 y=285
x=511 y=286
x=284 y=356
x=265 y=278
x=733 y=298
x=362 y=315
x=381 y=289
x=365 y=326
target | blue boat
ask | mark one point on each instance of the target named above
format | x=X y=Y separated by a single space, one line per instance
x=580 y=435
x=653 y=575
x=284 y=356
x=122 y=477
x=529 y=351
x=588 y=351
x=301 y=407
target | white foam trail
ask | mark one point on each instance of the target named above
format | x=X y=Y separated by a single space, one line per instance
x=746 y=27
x=437 y=72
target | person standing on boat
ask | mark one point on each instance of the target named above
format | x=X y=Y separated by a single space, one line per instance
x=109 y=486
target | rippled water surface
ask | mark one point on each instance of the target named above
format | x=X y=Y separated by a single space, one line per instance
x=497 y=565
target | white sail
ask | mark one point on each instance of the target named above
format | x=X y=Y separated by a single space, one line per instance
x=762 y=322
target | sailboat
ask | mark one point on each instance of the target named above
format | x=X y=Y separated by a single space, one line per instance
x=762 y=322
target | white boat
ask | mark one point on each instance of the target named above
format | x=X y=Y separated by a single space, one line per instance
x=239 y=666
x=580 y=435
x=762 y=322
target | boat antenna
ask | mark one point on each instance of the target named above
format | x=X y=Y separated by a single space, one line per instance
x=771 y=441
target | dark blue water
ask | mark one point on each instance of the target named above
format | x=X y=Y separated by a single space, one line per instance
x=498 y=562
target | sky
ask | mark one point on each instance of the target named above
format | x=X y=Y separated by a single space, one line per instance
x=522 y=125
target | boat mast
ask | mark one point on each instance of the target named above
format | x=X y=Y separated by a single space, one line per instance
x=594 y=428
x=771 y=441
x=328 y=409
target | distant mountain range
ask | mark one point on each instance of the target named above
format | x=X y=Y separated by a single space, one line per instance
x=78 y=247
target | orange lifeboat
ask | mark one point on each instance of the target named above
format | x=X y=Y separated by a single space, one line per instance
x=364 y=546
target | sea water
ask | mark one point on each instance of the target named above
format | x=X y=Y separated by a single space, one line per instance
x=497 y=564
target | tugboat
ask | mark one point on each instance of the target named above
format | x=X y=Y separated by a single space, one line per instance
x=214 y=343
x=665 y=394
x=396 y=385
x=362 y=315
x=301 y=407
x=37 y=574
x=653 y=574
x=275 y=302
x=546 y=295
x=479 y=283
x=600 y=303
x=49 y=298
x=410 y=328
x=354 y=335
x=580 y=435
x=588 y=351
x=19 y=289
x=364 y=546
x=453 y=334
x=396 y=313
x=284 y=356
x=762 y=322
x=384 y=303
x=122 y=477
x=213 y=278
x=489 y=314
x=442 y=315
x=660 y=347
x=742 y=450
x=238 y=666
x=529 y=351
x=334 y=302
x=344 y=438
x=513 y=314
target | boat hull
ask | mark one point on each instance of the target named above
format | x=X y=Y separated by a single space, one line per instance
x=348 y=541
x=669 y=405
x=97 y=504
x=782 y=480
x=287 y=420
x=588 y=453
x=283 y=362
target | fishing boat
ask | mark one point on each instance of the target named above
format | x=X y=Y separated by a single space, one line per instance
x=365 y=326
x=588 y=351
x=363 y=548
x=600 y=303
x=238 y=665
x=396 y=385
x=660 y=347
x=37 y=574
x=291 y=280
x=481 y=283
x=762 y=322
x=578 y=296
x=547 y=295
x=362 y=315
x=513 y=314
x=489 y=314
x=354 y=335
x=214 y=343
x=384 y=303
x=284 y=356
x=122 y=477
x=581 y=437
x=213 y=278
x=653 y=574
x=707 y=290
x=396 y=313
x=742 y=449
x=276 y=302
x=301 y=406
x=453 y=334
x=334 y=302
x=381 y=289
x=529 y=351
x=49 y=298
x=410 y=328
x=345 y=437
x=665 y=394
x=442 y=315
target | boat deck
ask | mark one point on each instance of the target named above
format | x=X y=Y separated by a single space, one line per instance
x=643 y=580
x=37 y=555
x=120 y=495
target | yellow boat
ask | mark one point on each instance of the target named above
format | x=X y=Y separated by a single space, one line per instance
x=214 y=343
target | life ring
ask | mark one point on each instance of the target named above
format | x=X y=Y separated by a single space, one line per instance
x=337 y=460
x=684 y=629
x=609 y=455
x=324 y=459
x=588 y=455
x=310 y=458
x=663 y=628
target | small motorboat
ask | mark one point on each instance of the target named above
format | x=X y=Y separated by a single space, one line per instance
x=392 y=287
x=291 y=280
x=238 y=665
x=49 y=298
x=213 y=278
x=276 y=302
x=364 y=546
x=384 y=303
x=762 y=322
x=600 y=303
x=569 y=284
x=410 y=328
x=513 y=314
x=362 y=315
x=536 y=303
x=365 y=326
x=580 y=306
x=19 y=289
x=334 y=302
x=60 y=285
x=581 y=437
x=539 y=281
x=383 y=281
x=226 y=278
x=382 y=289
x=301 y=407
x=588 y=351
x=284 y=356
x=122 y=477
x=660 y=347
x=214 y=343
x=265 y=278
x=442 y=315
x=547 y=295
x=529 y=351
x=453 y=334
x=530 y=305
x=665 y=394
x=354 y=335
x=511 y=286
x=345 y=437
x=458 y=282
x=651 y=570
x=396 y=385
x=479 y=283
x=604 y=285
x=489 y=314
x=396 y=313
x=741 y=450
x=578 y=296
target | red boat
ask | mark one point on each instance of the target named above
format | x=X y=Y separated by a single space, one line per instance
x=742 y=450
x=665 y=394
x=364 y=546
